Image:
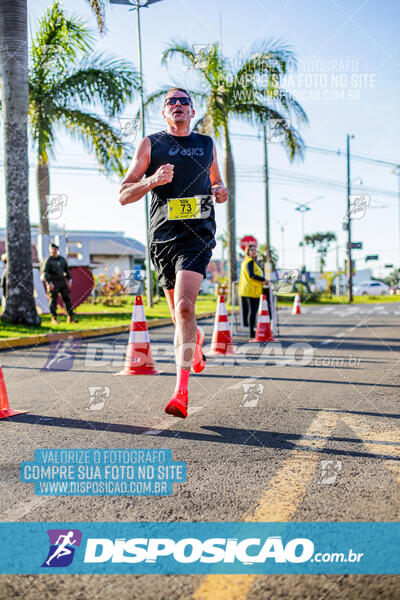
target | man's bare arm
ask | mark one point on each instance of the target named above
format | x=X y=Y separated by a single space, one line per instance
x=135 y=185
x=218 y=188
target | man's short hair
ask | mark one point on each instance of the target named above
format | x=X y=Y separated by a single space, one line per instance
x=178 y=89
x=54 y=246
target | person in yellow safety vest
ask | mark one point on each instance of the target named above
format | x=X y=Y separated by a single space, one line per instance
x=250 y=288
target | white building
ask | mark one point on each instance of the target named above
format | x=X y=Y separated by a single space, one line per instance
x=94 y=249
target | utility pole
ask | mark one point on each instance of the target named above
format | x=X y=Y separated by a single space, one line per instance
x=302 y=208
x=137 y=6
x=349 y=260
x=146 y=198
x=398 y=210
x=266 y=181
x=282 y=226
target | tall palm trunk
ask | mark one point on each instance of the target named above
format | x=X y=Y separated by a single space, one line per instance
x=20 y=303
x=229 y=172
x=43 y=189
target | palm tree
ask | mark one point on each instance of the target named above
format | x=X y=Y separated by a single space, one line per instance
x=98 y=7
x=322 y=241
x=223 y=238
x=248 y=89
x=60 y=85
x=20 y=304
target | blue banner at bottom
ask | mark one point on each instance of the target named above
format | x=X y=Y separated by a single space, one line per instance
x=199 y=548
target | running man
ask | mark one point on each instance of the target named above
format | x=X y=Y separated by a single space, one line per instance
x=62 y=549
x=180 y=169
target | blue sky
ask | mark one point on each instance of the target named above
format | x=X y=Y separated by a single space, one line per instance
x=347 y=82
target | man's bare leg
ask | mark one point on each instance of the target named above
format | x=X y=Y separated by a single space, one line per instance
x=182 y=309
x=169 y=294
x=187 y=288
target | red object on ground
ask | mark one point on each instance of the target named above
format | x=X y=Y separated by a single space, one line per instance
x=246 y=241
x=296 y=305
x=264 y=332
x=82 y=285
x=221 y=342
x=138 y=357
x=177 y=406
x=5 y=410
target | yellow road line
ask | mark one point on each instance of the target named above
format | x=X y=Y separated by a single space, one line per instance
x=279 y=502
x=370 y=429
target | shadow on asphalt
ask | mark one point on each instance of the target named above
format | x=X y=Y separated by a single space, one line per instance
x=221 y=435
x=354 y=412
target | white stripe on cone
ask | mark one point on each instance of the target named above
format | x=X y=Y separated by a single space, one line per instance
x=222 y=309
x=138 y=313
x=222 y=326
x=138 y=337
x=263 y=319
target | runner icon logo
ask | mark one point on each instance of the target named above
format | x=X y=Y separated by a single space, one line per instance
x=62 y=547
x=97 y=397
x=252 y=393
x=277 y=130
x=62 y=354
x=330 y=469
x=55 y=205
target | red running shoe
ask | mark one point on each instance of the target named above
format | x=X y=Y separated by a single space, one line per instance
x=199 y=360
x=177 y=406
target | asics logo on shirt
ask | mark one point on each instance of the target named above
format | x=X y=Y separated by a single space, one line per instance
x=185 y=151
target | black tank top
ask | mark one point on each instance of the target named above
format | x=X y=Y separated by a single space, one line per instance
x=192 y=156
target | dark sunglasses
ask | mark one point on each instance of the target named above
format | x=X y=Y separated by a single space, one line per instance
x=183 y=101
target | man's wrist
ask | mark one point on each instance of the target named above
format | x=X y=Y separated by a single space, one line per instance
x=150 y=183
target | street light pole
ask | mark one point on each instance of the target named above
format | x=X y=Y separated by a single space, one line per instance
x=282 y=226
x=266 y=180
x=303 y=209
x=398 y=189
x=349 y=260
x=146 y=198
x=135 y=4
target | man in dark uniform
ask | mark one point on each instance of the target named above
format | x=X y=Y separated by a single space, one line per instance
x=180 y=169
x=56 y=273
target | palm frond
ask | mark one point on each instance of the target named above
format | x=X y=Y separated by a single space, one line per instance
x=59 y=39
x=99 y=79
x=261 y=114
x=97 y=136
x=271 y=55
x=98 y=9
x=207 y=63
x=180 y=48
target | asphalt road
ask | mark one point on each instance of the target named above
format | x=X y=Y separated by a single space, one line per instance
x=261 y=427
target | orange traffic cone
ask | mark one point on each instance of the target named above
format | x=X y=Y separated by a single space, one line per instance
x=5 y=410
x=138 y=357
x=221 y=342
x=296 y=305
x=264 y=332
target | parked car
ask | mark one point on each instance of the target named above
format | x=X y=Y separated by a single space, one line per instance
x=371 y=288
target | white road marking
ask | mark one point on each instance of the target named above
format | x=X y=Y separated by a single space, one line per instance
x=344 y=333
x=19 y=511
x=168 y=423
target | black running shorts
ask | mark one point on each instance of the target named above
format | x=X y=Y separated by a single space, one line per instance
x=170 y=257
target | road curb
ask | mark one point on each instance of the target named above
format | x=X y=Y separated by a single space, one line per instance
x=46 y=338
